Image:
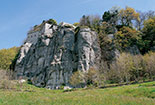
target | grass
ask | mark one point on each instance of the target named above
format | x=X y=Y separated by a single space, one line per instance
x=137 y=94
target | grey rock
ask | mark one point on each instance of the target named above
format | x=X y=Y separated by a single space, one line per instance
x=67 y=88
x=50 y=60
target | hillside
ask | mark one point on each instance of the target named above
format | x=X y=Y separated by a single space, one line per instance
x=138 y=94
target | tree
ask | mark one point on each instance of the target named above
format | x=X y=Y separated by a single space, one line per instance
x=126 y=37
x=148 y=34
x=150 y=14
x=91 y=21
x=111 y=16
x=127 y=15
x=139 y=22
x=94 y=22
x=106 y=16
x=84 y=21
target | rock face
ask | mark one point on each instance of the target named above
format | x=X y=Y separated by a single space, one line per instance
x=50 y=59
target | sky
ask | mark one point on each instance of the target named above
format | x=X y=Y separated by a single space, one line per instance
x=18 y=16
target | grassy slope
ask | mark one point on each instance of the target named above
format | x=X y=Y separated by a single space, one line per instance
x=139 y=94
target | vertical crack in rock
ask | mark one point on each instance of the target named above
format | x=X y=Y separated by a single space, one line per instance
x=51 y=54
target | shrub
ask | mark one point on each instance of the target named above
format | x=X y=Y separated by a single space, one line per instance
x=76 y=24
x=5 y=82
x=77 y=79
x=81 y=79
x=149 y=64
x=52 y=21
x=137 y=71
x=126 y=69
x=123 y=65
x=129 y=68
x=91 y=77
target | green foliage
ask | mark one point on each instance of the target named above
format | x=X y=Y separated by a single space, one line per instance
x=123 y=23
x=107 y=16
x=52 y=21
x=76 y=24
x=7 y=56
x=111 y=16
x=126 y=37
x=107 y=46
x=148 y=34
x=12 y=66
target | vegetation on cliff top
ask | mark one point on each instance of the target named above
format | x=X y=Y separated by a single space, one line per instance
x=127 y=25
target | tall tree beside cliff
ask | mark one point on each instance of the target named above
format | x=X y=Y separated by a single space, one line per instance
x=126 y=37
x=148 y=34
x=128 y=15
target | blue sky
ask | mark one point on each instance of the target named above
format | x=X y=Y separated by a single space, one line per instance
x=18 y=16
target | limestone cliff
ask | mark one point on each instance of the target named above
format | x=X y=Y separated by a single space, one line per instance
x=51 y=54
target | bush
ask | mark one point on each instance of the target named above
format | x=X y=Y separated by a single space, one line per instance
x=77 y=79
x=137 y=71
x=81 y=79
x=91 y=77
x=76 y=24
x=129 y=68
x=52 y=21
x=126 y=69
x=5 y=82
x=149 y=65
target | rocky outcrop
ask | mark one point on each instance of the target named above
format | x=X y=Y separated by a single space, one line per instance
x=57 y=52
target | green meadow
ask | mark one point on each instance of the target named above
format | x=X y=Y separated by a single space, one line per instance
x=26 y=94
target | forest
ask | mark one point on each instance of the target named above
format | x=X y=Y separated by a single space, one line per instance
x=132 y=34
